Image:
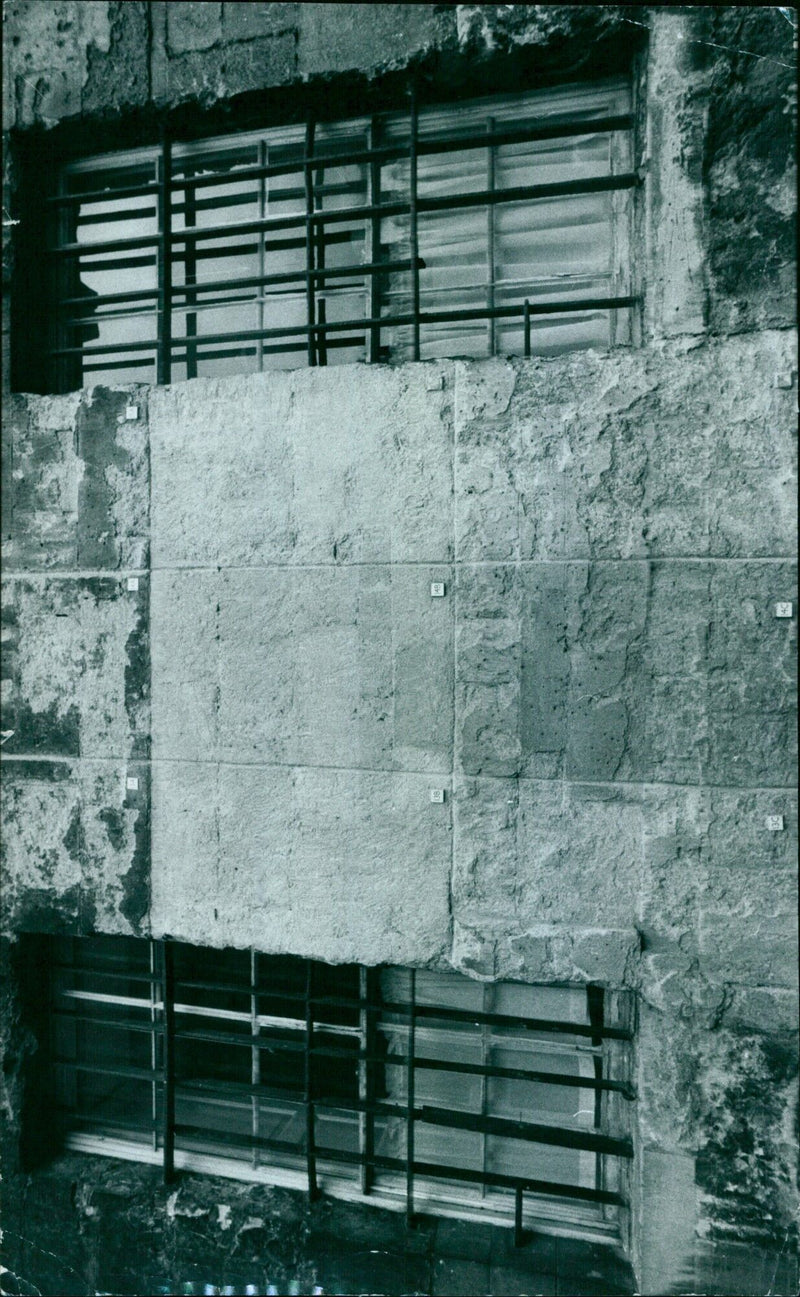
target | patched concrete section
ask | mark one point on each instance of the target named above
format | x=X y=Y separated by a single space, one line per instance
x=79 y=481
x=317 y=667
x=683 y=451
x=341 y=465
x=75 y=849
x=330 y=864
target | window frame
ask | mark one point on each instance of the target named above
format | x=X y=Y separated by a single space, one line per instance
x=395 y=1180
x=318 y=333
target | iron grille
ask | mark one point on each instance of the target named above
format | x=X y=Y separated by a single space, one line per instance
x=499 y=226
x=391 y=1078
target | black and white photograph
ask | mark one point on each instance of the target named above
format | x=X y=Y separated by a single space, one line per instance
x=399 y=886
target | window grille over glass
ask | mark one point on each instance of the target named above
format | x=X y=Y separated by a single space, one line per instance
x=499 y=226
x=428 y=1087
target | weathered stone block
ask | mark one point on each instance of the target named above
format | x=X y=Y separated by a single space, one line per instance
x=193 y=26
x=627 y=455
x=528 y=853
x=268 y=486
x=325 y=666
x=75 y=661
x=75 y=848
x=325 y=863
x=80 y=481
x=241 y=22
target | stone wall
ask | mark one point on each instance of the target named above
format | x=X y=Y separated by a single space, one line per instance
x=227 y=600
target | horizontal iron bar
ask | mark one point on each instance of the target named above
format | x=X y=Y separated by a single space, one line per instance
x=527 y=1130
x=78 y=971
x=521 y=1074
x=86 y=1118
x=115 y=1024
x=547 y=1188
x=435 y=1170
x=508 y=1020
x=524 y=193
x=386 y=322
x=388 y=153
x=132 y=1073
x=104 y=195
x=519 y=193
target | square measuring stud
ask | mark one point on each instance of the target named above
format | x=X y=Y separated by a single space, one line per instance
x=131 y=412
x=133 y=583
x=775 y=823
x=132 y=784
x=437 y=795
x=783 y=610
x=437 y=589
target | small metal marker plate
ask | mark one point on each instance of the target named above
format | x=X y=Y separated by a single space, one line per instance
x=133 y=583
x=437 y=795
x=437 y=589
x=775 y=823
x=783 y=610
x=132 y=784
x=131 y=412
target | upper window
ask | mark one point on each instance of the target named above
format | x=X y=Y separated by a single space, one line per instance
x=499 y=226
x=428 y=1087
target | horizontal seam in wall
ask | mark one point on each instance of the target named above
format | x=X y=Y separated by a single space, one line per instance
x=387 y=770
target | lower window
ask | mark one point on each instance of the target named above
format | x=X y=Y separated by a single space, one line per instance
x=424 y=1089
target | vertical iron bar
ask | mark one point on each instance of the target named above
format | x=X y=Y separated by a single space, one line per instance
x=309 y=189
x=596 y=1014
x=311 y=1154
x=190 y=277
x=373 y=250
x=410 y=1101
x=486 y=1008
x=168 y=991
x=490 y=180
x=413 y=221
x=527 y=317
x=153 y=1045
x=519 y=1235
x=321 y=338
x=255 y=1054
x=366 y=1075
x=263 y=153
x=164 y=322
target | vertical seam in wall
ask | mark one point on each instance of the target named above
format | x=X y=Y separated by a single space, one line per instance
x=454 y=622
x=149 y=597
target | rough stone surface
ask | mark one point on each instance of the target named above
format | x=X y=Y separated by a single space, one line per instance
x=325 y=863
x=78 y=481
x=360 y=662
x=73 y=858
x=377 y=488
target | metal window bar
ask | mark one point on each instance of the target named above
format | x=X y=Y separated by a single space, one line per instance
x=367 y=1061
x=317 y=335
x=168 y=1047
x=164 y=271
x=410 y=1113
x=310 y=241
x=311 y=1157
